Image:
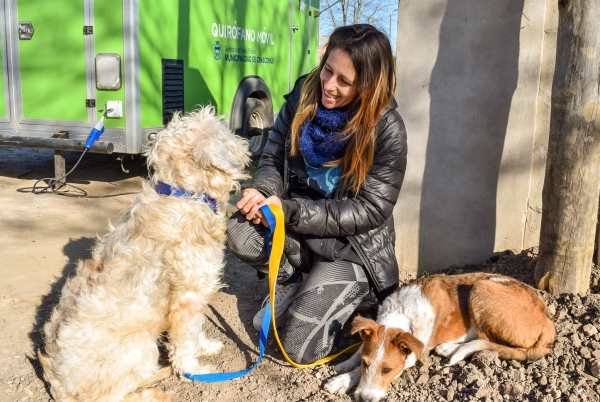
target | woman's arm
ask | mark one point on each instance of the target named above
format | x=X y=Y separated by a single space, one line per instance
x=268 y=179
x=375 y=201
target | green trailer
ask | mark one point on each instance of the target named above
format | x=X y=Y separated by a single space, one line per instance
x=63 y=62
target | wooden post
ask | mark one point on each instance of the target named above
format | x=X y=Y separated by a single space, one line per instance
x=59 y=164
x=572 y=183
x=59 y=159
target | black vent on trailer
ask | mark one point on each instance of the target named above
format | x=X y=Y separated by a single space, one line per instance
x=172 y=88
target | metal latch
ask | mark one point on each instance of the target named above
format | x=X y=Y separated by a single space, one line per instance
x=88 y=30
x=295 y=28
x=90 y=103
x=25 y=30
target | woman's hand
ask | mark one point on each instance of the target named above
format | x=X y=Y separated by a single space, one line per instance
x=259 y=217
x=250 y=197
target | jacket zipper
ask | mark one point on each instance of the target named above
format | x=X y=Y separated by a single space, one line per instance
x=365 y=261
x=286 y=173
x=338 y=196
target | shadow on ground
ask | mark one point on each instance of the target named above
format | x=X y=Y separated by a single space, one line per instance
x=75 y=250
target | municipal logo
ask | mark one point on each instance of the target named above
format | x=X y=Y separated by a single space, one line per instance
x=217 y=50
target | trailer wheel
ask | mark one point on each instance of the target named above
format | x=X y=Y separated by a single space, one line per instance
x=255 y=126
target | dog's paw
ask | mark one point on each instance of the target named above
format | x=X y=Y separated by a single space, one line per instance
x=339 y=384
x=446 y=349
x=210 y=347
x=206 y=369
x=190 y=365
x=198 y=369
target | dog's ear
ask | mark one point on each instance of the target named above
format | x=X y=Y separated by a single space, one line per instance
x=407 y=343
x=365 y=327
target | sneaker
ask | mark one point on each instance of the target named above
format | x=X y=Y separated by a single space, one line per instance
x=284 y=296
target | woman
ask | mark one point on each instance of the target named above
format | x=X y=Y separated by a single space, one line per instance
x=334 y=162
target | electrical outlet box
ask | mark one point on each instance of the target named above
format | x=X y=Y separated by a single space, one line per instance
x=117 y=109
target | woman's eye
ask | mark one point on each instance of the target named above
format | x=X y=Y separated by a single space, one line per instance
x=344 y=81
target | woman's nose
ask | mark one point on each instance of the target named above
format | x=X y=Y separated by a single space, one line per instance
x=328 y=84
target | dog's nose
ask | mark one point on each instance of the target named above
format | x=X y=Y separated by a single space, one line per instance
x=365 y=399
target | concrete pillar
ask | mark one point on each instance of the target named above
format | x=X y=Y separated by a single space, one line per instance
x=468 y=87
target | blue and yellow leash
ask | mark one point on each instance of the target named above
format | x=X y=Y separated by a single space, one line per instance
x=276 y=232
x=275 y=240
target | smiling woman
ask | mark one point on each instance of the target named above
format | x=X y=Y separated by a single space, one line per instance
x=334 y=162
x=337 y=80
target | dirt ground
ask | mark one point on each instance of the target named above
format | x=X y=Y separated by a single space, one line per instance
x=43 y=236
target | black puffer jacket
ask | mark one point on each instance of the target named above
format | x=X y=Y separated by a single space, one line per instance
x=365 y=220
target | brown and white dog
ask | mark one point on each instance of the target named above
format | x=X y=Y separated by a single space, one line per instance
x=458 y=316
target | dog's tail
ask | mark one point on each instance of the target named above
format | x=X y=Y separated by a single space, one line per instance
x=149 y=395
x=545 y=342
x=159 y=376
x=50 y=375
x=44 y=361
x=543 y=345
x=504 y=352
x=146 y=394
x=46 y=365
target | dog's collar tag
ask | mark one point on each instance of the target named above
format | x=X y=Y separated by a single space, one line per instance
x=165 y=189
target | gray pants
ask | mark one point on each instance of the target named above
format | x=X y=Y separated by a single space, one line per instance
x=328 y=296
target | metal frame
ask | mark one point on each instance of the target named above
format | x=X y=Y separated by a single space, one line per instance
x=3 y=34
x=115 y=134
x=308 y=30
x=11 y=93
x=131 y=62
x=90 y=67
x=291 y=45
x=14 y=75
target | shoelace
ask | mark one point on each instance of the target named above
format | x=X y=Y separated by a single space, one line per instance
x=279 y=295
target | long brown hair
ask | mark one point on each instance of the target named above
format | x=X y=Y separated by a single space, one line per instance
x=371 y=53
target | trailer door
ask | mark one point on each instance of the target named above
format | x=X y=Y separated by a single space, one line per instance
x=49 y=67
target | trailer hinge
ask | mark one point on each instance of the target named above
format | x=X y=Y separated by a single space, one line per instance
x=88 y=30
x=90 y=103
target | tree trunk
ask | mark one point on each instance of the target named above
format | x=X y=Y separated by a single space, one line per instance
x=572 y=183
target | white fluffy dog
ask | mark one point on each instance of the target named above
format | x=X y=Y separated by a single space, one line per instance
x=155 y=271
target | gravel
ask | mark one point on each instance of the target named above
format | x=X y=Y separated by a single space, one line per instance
x=571 y=372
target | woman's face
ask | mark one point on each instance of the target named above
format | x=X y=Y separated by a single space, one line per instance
x=338 y=80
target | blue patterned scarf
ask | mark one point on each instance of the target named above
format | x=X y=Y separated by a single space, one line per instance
x=318 y=142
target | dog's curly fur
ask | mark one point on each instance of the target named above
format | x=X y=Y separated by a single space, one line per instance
x=153 y=272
